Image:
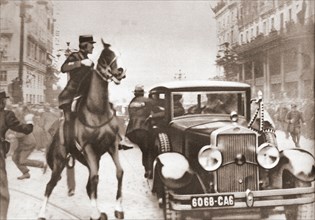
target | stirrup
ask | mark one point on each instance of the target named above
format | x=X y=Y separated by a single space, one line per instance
x=74 y=103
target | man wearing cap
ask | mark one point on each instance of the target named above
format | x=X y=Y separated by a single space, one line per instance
x=8 y=120
x=138 y=127
x=294 y=117
x=79 y=67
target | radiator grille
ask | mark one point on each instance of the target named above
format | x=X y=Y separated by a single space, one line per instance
x=232 y=177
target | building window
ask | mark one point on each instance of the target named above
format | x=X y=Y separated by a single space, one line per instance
x=281 y=21
x=290 y=14
x=3 y=76
x=248 y=70
x=241 y=38
x=276 y=90
x=292 y=89
x=290 y=60
x=274 y=64
x=257 y=30
x=259 y=67
x=272 y=24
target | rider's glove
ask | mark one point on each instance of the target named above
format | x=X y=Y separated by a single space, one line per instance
x=29 y=119
x=87 y=62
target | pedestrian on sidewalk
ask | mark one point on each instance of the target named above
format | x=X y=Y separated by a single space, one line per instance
x=294 y=119
x=8 y=120
x=26 y=145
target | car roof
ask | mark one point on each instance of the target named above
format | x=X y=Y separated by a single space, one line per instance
x=186 y=84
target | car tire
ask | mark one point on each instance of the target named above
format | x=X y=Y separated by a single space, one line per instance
x=169 y=214
x=162 y=143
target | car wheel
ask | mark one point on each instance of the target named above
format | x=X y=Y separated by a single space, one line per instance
x=162 y=143
x=299 y=212
x=169 y=214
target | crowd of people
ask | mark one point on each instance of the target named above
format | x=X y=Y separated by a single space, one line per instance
x=292 y=116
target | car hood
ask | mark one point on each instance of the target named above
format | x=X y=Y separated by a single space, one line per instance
x=204 y=123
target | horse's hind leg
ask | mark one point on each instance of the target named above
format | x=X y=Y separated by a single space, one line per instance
x=119 y=213
x=58 y=167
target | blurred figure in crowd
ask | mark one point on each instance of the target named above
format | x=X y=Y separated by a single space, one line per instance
x=26 y=145
x=8 y=120
x=138 y=129
x=294 y=118
x=280 y=116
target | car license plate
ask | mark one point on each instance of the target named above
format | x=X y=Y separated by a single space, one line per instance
x=212 y=201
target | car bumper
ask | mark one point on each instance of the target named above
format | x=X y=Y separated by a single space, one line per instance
x=264 y=198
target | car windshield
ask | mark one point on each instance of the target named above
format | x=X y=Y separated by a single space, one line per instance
x=208 y=102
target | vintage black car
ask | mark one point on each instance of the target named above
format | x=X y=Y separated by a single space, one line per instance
x=217 y=155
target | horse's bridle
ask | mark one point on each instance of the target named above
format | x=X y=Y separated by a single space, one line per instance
x=107 y=69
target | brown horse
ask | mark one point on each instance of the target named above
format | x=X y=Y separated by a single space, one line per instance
x=95 y=133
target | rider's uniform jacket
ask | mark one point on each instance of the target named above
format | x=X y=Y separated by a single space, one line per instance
x=78 y=73
x=74 y=67
x=139 y=110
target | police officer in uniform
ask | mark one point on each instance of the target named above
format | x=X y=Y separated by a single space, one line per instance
x=139 y=110
x=294 y=118
x=8 y=120
x=79 y=67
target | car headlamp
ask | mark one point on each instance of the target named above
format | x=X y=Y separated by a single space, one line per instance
x=210 y=158
x=268 y=156
x=234 y=116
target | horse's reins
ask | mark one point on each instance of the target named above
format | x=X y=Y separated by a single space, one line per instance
x=109 y=79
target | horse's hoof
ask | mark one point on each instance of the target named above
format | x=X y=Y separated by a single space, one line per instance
x=41 y=219
x=119 y=214
x=102 y=217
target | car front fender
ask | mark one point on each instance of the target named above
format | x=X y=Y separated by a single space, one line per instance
x=300 y=163
x=173 y=170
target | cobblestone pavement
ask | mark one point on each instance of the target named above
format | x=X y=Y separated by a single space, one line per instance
x=138 y=201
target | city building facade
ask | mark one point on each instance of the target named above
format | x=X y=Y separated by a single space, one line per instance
x=26 y=32
x=268 y=44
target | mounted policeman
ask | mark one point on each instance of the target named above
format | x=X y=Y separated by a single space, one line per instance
x=79 y=67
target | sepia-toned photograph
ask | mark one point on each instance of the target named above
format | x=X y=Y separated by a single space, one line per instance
x=157 y=110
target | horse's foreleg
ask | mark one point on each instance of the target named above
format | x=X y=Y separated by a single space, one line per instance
x=91 y=187
x=119 y=213
x=59 y=165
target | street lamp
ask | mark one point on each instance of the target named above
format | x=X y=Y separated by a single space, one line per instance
x=66 y=51
x=227 y=58
x=23 y=7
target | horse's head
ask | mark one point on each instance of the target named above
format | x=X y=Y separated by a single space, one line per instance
x=107 y=65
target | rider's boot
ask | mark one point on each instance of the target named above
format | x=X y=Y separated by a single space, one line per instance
x=67 y=127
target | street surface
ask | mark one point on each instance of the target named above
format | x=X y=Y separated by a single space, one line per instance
x=138 y=201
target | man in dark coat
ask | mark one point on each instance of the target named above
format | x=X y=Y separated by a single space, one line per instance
x=138 y=129
x=79 y=67
x=8 y=120
x=294 y=118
